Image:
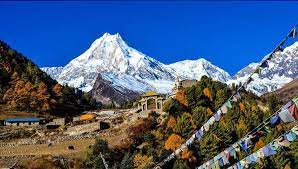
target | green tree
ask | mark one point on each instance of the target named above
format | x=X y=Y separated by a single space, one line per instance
x=185 y=125
x=199 y=115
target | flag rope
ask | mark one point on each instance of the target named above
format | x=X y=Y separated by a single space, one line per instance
x=252 y=132
x=293 y=34
x=277 y=144
x=104 y=161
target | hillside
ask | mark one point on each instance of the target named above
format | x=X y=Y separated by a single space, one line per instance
x=288 y=91
x=24 y=87
x=149 y=142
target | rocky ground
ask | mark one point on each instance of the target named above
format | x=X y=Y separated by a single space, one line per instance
x=19 y=144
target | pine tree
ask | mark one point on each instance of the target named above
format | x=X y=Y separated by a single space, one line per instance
x=199 y=115
x=185 y=125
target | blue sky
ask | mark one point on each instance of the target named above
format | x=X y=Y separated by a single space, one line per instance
x=229 y=34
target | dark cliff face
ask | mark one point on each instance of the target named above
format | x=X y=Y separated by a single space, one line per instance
x=103 y=91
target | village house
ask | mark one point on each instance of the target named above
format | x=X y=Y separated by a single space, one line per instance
x=59 y=121
x=87 y=116
x=22 y=122
x=56 y=123
x=181 y=84
x=84 y=118
x=151 y=101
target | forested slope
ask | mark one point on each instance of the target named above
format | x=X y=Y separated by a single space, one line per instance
x=150 y=143
x=23 y=86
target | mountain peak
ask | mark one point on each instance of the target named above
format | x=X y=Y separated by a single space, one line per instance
x=195 y=69
x=107 y=39
x=111 y=37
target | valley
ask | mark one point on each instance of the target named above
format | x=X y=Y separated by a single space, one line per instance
x=115 y=106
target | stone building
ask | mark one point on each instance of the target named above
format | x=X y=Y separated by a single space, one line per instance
x=59 y=121
x=56 y=123
x=151 y=101
x=182 y=84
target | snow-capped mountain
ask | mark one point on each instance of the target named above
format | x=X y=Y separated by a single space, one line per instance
x=119 y=63
x=54 y=72
x=195 y=69
x=282 y=69
x=128 y=68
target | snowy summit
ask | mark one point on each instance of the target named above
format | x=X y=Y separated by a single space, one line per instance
x=127 y=68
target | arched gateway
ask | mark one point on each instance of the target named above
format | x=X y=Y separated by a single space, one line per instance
x=151 y=101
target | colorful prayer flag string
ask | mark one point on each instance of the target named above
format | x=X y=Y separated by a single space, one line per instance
x=288 y=112
x=224 y=108
x=268 y=150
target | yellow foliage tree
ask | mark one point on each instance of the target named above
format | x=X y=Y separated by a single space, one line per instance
x=42 y=89
x=190 y=119
x=241 y=126
x=43 y=96
x=171 y=122
x=259 y=145
x=241 y=106
x=254 y=107
x=141 y=161
x=173 y=142
x=29 y=86
x=158 y=135
x=209 y=111
x=222 y=122
x=186 y=154
x=216 y=137
x=279 y=127
x=180 y=96
x=207 y=93
x=287 y=166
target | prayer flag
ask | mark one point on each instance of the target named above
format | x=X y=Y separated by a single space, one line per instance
x=293 y=33
x=283 y=141
x=237 y=95
x=216 y=117
x=224 y=109
x=206 y=126
x=286 y=116
x=228 y=104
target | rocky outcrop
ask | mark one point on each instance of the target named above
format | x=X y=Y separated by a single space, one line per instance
x=103 y=91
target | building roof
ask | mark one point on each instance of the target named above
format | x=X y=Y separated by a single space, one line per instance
x=151 y=93
x=16 y=120
x=87 y=116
